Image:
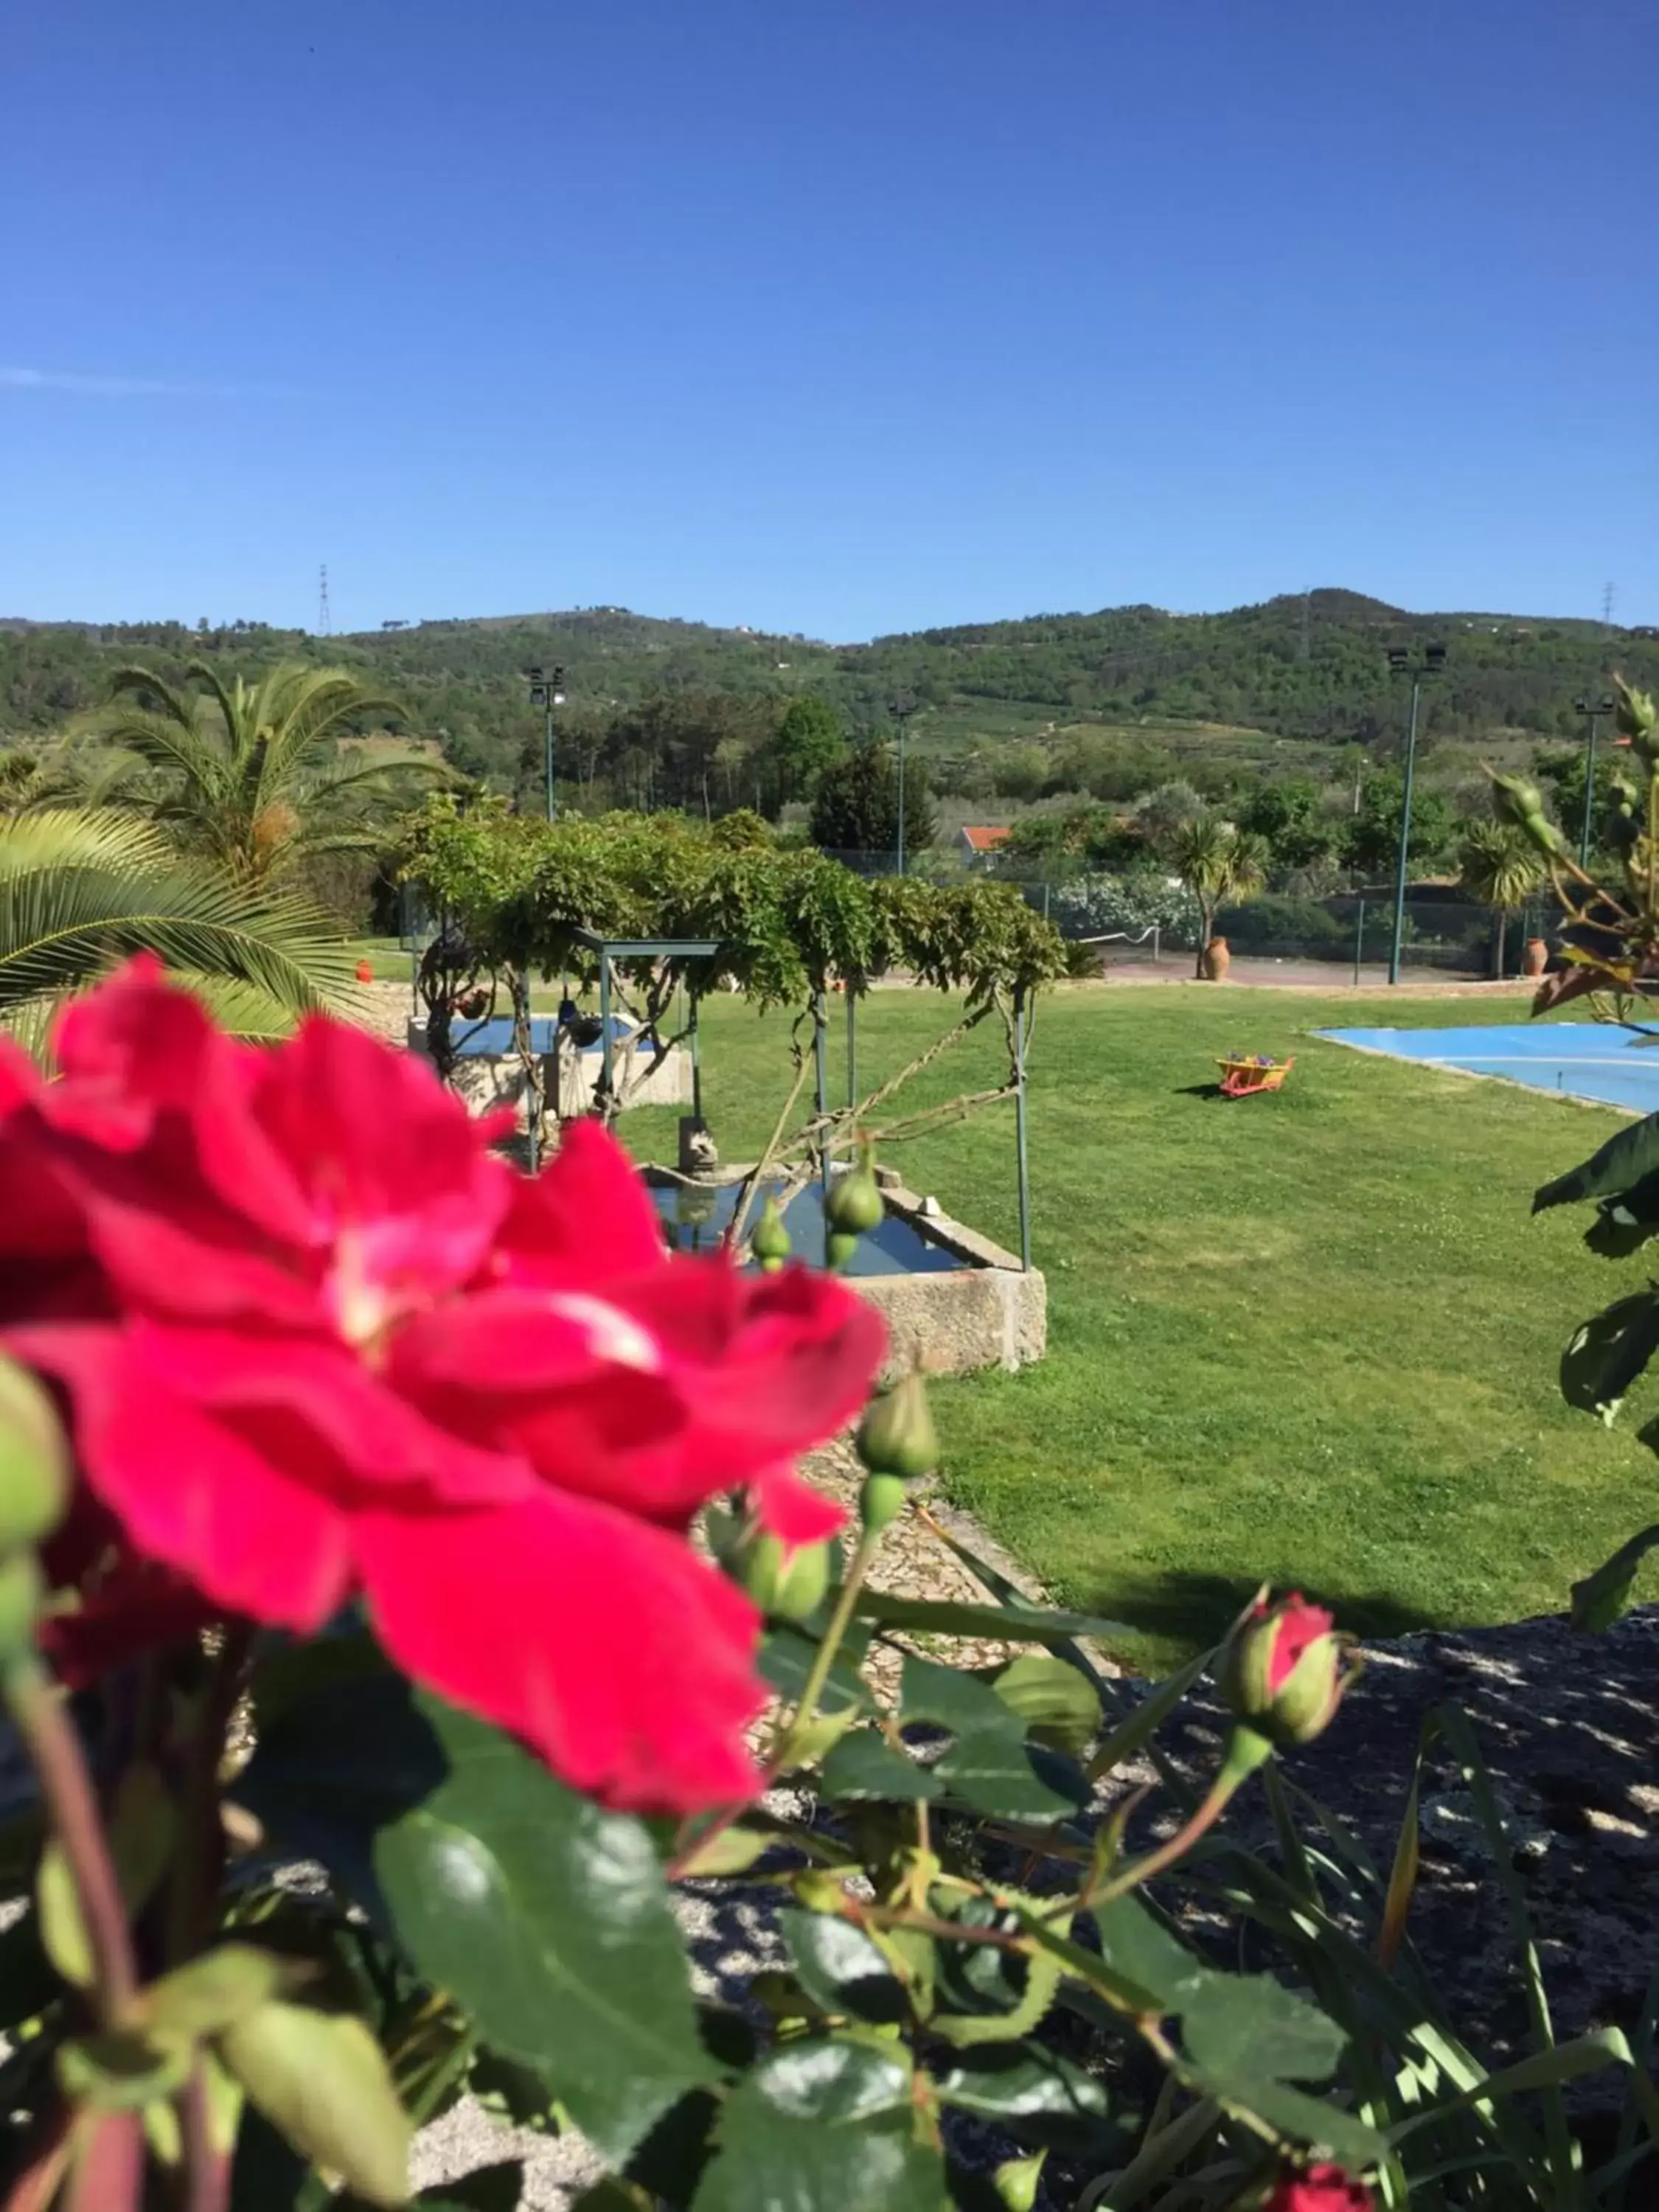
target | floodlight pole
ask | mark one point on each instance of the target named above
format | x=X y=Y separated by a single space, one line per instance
x=902 y=710
x=547 y=692
x=1434 y=659
x=1590 y=708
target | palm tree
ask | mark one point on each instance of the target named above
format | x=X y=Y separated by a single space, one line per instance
x=80 y=891
x=1219 y=865
x=1502 y=868
x=250 y=773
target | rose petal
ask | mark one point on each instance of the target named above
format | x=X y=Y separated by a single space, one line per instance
x=608 y=1646
x=190 y=1492
x=346 y=1426
x=587 y=1215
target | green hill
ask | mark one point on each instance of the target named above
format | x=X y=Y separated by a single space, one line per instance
x=665 y=711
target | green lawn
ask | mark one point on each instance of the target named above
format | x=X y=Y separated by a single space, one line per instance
x=1310 y=1338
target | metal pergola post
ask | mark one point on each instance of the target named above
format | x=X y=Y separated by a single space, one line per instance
x=852 y=1045
x=696 y=1056
x=820 y=1074
x=1019 y=1134
x=604 y=1020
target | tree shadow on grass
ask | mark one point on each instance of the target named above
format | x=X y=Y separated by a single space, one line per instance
x=1196 y=1609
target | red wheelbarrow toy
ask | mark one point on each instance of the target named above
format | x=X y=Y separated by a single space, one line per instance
x=1245 y=1073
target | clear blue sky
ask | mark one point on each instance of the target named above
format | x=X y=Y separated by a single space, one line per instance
x=843 y=316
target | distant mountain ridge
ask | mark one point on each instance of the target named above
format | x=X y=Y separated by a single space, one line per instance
x=1308 y=667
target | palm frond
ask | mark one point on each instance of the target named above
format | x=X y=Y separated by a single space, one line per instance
x=377 y=777
x=79 y=892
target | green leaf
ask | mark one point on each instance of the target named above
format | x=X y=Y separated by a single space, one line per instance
x=546 y=1918
x=1622 y=1163
x=122 y=2070
x=733 y=1851
x=1600 y=1598
x=840 y=1969
x=322 y=2082
x=212 y=1991
x=142 y=1827
x=1297 y=2117
x=987 y=1766
x=1020 y=1624
x=1132 y=1735
x=823 y=2125
x=786 y=1660
x=1143 y=1967
x=1057 y=1704
x=1608 y=1354
x=865 y=1765
x=1041 y=2096
x=1246 y=2024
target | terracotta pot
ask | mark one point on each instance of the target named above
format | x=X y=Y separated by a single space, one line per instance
x=1536 y=956
x=365 y=972
x=1216 y=961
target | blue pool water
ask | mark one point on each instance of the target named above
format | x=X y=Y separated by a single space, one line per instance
x=696 y=1219
x=1582 y=1059
x=492 y=1040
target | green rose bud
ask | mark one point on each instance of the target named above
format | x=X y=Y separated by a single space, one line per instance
x=881 y=1500
x=34 y=1461
x=787 y=1586
x=853 y=1202
x=1282 y=1671
x=896 y=1435
x=770 y=1242
x=838 y=1248
x=1016 y=2180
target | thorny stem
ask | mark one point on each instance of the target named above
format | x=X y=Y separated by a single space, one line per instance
x=42 y=1720
x=207 y=2168
x=195 y=1872
x=824 y=1658
x=1246 y=1751
x=751 y=1181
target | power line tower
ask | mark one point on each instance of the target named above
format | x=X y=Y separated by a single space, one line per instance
x=1610 y=592
x=324 y=622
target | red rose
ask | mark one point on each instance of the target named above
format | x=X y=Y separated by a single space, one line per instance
x=1320 y=2188
x=1282 y=1671
x=318 y=1340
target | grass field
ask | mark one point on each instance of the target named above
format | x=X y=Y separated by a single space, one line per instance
x=1310 y=1338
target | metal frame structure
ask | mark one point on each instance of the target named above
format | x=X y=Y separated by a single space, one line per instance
x=610 y=949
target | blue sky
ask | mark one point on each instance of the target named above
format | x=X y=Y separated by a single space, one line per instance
x=843 y=316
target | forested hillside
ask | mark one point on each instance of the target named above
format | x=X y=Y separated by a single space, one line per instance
x=670 y=712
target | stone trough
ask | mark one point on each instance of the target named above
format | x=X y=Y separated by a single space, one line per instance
x=951 y=1297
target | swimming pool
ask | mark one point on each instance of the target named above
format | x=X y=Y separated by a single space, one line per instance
x=1577 y=1060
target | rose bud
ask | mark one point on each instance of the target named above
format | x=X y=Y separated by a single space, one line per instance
x=787 y=1586
x=34 y=1466
x=881 y=1500
x=896 y=1435
x=839 y=1247
x=1319 y=2189
x=852 y=1202
x=770 y=1242
x=1282 y=1671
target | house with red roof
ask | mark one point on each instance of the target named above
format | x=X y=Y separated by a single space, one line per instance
x=980 y=845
